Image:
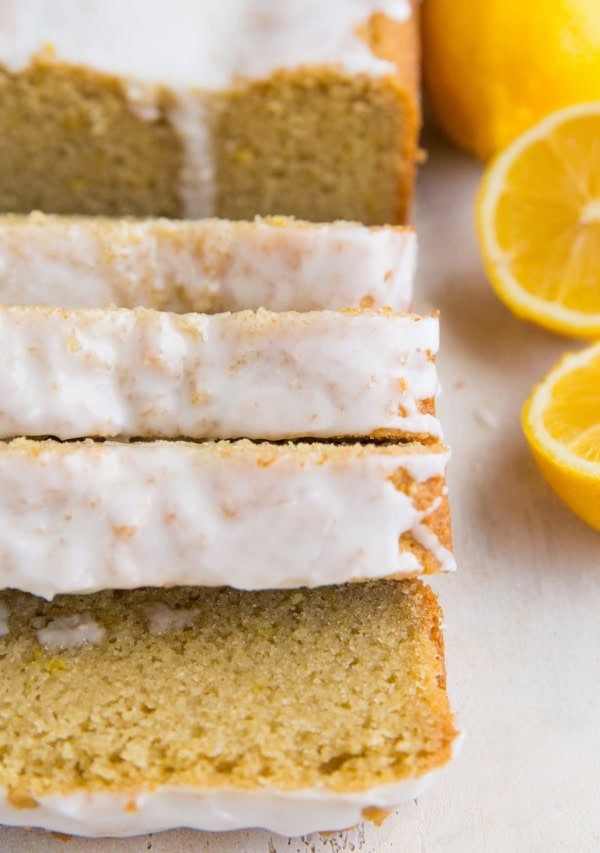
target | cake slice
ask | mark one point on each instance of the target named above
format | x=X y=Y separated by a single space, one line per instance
x=85 y=516
x=145 y=374
x=207 y=265
x=303 y=710
x=193 y=109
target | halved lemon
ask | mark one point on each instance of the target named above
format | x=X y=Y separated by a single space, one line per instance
x=538 y=220
x=561 y=421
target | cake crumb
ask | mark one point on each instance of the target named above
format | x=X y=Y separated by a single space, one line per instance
x=375 y=815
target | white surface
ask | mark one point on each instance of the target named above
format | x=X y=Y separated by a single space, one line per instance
x=254 y=374
x=209 y=265
x=79 y=517
x=523 y=631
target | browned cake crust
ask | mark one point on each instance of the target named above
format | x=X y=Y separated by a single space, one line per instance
x=398 y=42
x=430 y=493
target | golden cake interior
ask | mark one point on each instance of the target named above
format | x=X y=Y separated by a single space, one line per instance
x=71 y=144
x=340 y=687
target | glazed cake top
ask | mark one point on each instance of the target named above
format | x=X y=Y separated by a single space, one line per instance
x=187 y=43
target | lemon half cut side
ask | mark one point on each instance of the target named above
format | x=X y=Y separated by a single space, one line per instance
x=561 y=421
x=538 y=222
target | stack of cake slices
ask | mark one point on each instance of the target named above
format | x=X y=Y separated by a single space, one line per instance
x=211 y=526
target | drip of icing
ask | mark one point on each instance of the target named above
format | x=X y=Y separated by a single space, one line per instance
x=428 y=539
x=197 y=179
x=425 y=466
x=70 y=631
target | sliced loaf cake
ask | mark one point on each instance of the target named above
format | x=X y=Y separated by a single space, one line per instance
x=125 y=713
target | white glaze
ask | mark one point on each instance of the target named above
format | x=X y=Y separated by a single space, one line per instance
x=191 y=44
x=144 y=373
x=162 y=618
x=4 y=615
x=290 y=813
x=67 y=632
x=83 y=516
x=192 y=47
x=209 y=265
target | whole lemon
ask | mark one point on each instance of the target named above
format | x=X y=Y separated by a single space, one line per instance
x=493 y=68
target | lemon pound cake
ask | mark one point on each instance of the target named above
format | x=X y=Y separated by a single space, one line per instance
x=85 y=516
x=186 y=108
x=144 y=374
x=296 y=711
x=205 y=265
